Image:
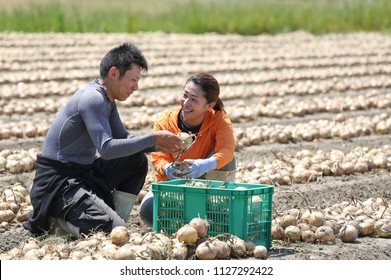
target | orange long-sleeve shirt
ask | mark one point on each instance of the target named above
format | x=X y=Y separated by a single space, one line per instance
x=216 y=133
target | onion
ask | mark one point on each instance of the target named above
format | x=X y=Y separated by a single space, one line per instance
x=33 y=254
x=354 y=223
x=187 y=234
x=223 y=250
x=348 y=233
x=23 y=213
x=317 y=219
x=324 y=234
x=123 y=253
x=206 y=251
x=186 y=137
x=5 y=225
x=119 y=235
x=200 y=225
x=293 y=233
x=108 y=250
x=250 y=245
x=136 y=238
x=382 y=228
x=304 y=226
x=260 y=252
x=288 y=220
x=308 y=236
x=334 y=225
x=277 y=232
x=361 y=167
x=6 y=215
x=367 y=228
x=151 y=252
x=178 y=251
x=77 y=255
x=237 y=245
x=30 y=245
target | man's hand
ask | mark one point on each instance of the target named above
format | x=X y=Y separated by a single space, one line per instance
x=167 y=142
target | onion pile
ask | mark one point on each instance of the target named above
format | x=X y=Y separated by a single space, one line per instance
x=306 y=166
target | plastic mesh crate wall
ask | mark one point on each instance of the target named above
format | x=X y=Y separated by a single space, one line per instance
x=244 y=213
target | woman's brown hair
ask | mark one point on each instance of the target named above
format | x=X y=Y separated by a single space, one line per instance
x=209 y=85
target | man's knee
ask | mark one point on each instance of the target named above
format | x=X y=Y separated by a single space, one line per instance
x=86 y=212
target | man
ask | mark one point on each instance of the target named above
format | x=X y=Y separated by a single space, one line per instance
x=75 y=190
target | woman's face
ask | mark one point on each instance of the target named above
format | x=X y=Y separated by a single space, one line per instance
x=194 y=104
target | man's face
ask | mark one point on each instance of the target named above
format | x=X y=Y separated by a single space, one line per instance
x=125 y=85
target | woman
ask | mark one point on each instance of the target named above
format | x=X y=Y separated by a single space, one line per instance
x=202 y=115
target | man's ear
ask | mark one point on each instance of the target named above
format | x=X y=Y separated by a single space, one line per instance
x=211 y=105
x=113 y=72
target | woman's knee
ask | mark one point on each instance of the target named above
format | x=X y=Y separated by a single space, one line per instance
x=146 y=209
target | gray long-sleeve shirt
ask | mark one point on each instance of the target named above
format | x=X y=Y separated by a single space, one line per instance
x=89 y=123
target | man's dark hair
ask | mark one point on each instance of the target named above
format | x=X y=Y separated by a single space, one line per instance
x=122 y=58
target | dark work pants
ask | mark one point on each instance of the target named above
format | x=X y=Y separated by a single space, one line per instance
x=86 y=209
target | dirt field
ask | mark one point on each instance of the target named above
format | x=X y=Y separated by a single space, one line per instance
x=280 y=73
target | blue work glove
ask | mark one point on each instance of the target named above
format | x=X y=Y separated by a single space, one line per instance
x=170 y=171
x=200 y=166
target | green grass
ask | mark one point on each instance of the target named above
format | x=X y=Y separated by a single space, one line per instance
x=248 y=17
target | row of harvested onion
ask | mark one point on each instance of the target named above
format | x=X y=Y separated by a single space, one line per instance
x=310 y=165
x=346 y=221
x=17 y=161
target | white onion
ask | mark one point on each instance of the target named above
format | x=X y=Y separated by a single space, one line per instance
x=237 y=245
x=324 y=234
x=260 y=252
x=206 y=251
x=317 y=219
x=119 y=235
x=187 y=234
x=308 y=236
x=200 y=225
x=382 y=228
x=223 y=250
x=293 y=233
x=348 y=233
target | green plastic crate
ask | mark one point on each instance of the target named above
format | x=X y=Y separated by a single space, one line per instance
x=244 y=213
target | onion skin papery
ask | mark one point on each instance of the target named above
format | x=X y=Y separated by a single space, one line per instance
x=200 y=225
x=119 y=235
x=223 y=250
x=382 y=228
x=237 y=245
x=293 y=233
x=324 y=234
x=308 y=236
x=277 y=232
x=187 y=234
x=206 y=251
x=260 y=252
x=317 y=219
x=348 y=234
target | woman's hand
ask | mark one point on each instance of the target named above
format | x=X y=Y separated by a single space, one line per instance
x=199 y=167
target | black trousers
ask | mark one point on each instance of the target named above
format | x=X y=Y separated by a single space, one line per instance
x=86 y=208
x=125 y=174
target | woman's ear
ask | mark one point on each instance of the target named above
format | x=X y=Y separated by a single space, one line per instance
x=211 y=105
